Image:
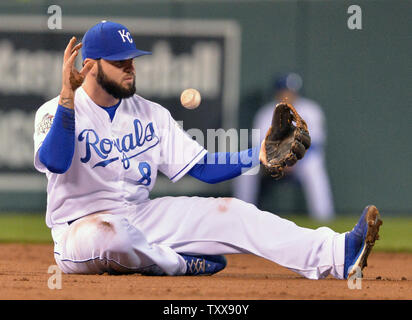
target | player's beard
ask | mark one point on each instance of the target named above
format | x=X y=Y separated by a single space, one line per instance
x=111 y=87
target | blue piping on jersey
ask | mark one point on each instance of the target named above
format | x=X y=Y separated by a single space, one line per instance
x=104 y=259
x=187 y=165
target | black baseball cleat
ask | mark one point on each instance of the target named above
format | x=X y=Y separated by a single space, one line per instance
x=204 y=265
x=360 y=241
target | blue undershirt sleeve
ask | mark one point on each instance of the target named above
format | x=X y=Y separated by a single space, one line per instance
x=57 y=150
x=221 y=166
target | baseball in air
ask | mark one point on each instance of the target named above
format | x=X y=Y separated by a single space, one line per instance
x=190 y=98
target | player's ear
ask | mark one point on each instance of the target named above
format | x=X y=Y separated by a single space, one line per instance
x=93 y=70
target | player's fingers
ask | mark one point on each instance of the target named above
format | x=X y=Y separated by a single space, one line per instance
x=87 y=67
x=77 y=47
x=69 y=49
x=70 y=61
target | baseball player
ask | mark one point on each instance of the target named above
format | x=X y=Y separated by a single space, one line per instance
x=101 y=146
x=311 y=172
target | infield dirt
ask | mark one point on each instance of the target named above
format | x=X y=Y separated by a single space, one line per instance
x=23 y=275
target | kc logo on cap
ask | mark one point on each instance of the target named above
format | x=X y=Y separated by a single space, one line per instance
x=110 y=41
x=126 y=35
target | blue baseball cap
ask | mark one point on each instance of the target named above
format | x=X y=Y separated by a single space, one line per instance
x=110 y=41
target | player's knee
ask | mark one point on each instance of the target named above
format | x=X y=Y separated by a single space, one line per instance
x=106 y=233
x=117 y=239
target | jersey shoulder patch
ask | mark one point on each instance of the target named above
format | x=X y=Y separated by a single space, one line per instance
x=45 y=115
x=45 y=123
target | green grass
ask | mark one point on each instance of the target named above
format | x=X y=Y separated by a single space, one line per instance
x=26 y=228
x=396 y=232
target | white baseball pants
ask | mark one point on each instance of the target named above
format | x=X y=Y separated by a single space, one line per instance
x=147 y=237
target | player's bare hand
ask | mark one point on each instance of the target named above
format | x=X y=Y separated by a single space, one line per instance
x=72 y=79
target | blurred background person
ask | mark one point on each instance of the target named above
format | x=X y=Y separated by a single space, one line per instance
x=311 y=172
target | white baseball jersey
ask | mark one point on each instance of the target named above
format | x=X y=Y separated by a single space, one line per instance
x=115 y=162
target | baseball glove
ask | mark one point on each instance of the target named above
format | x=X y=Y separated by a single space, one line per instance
x=285 y=143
